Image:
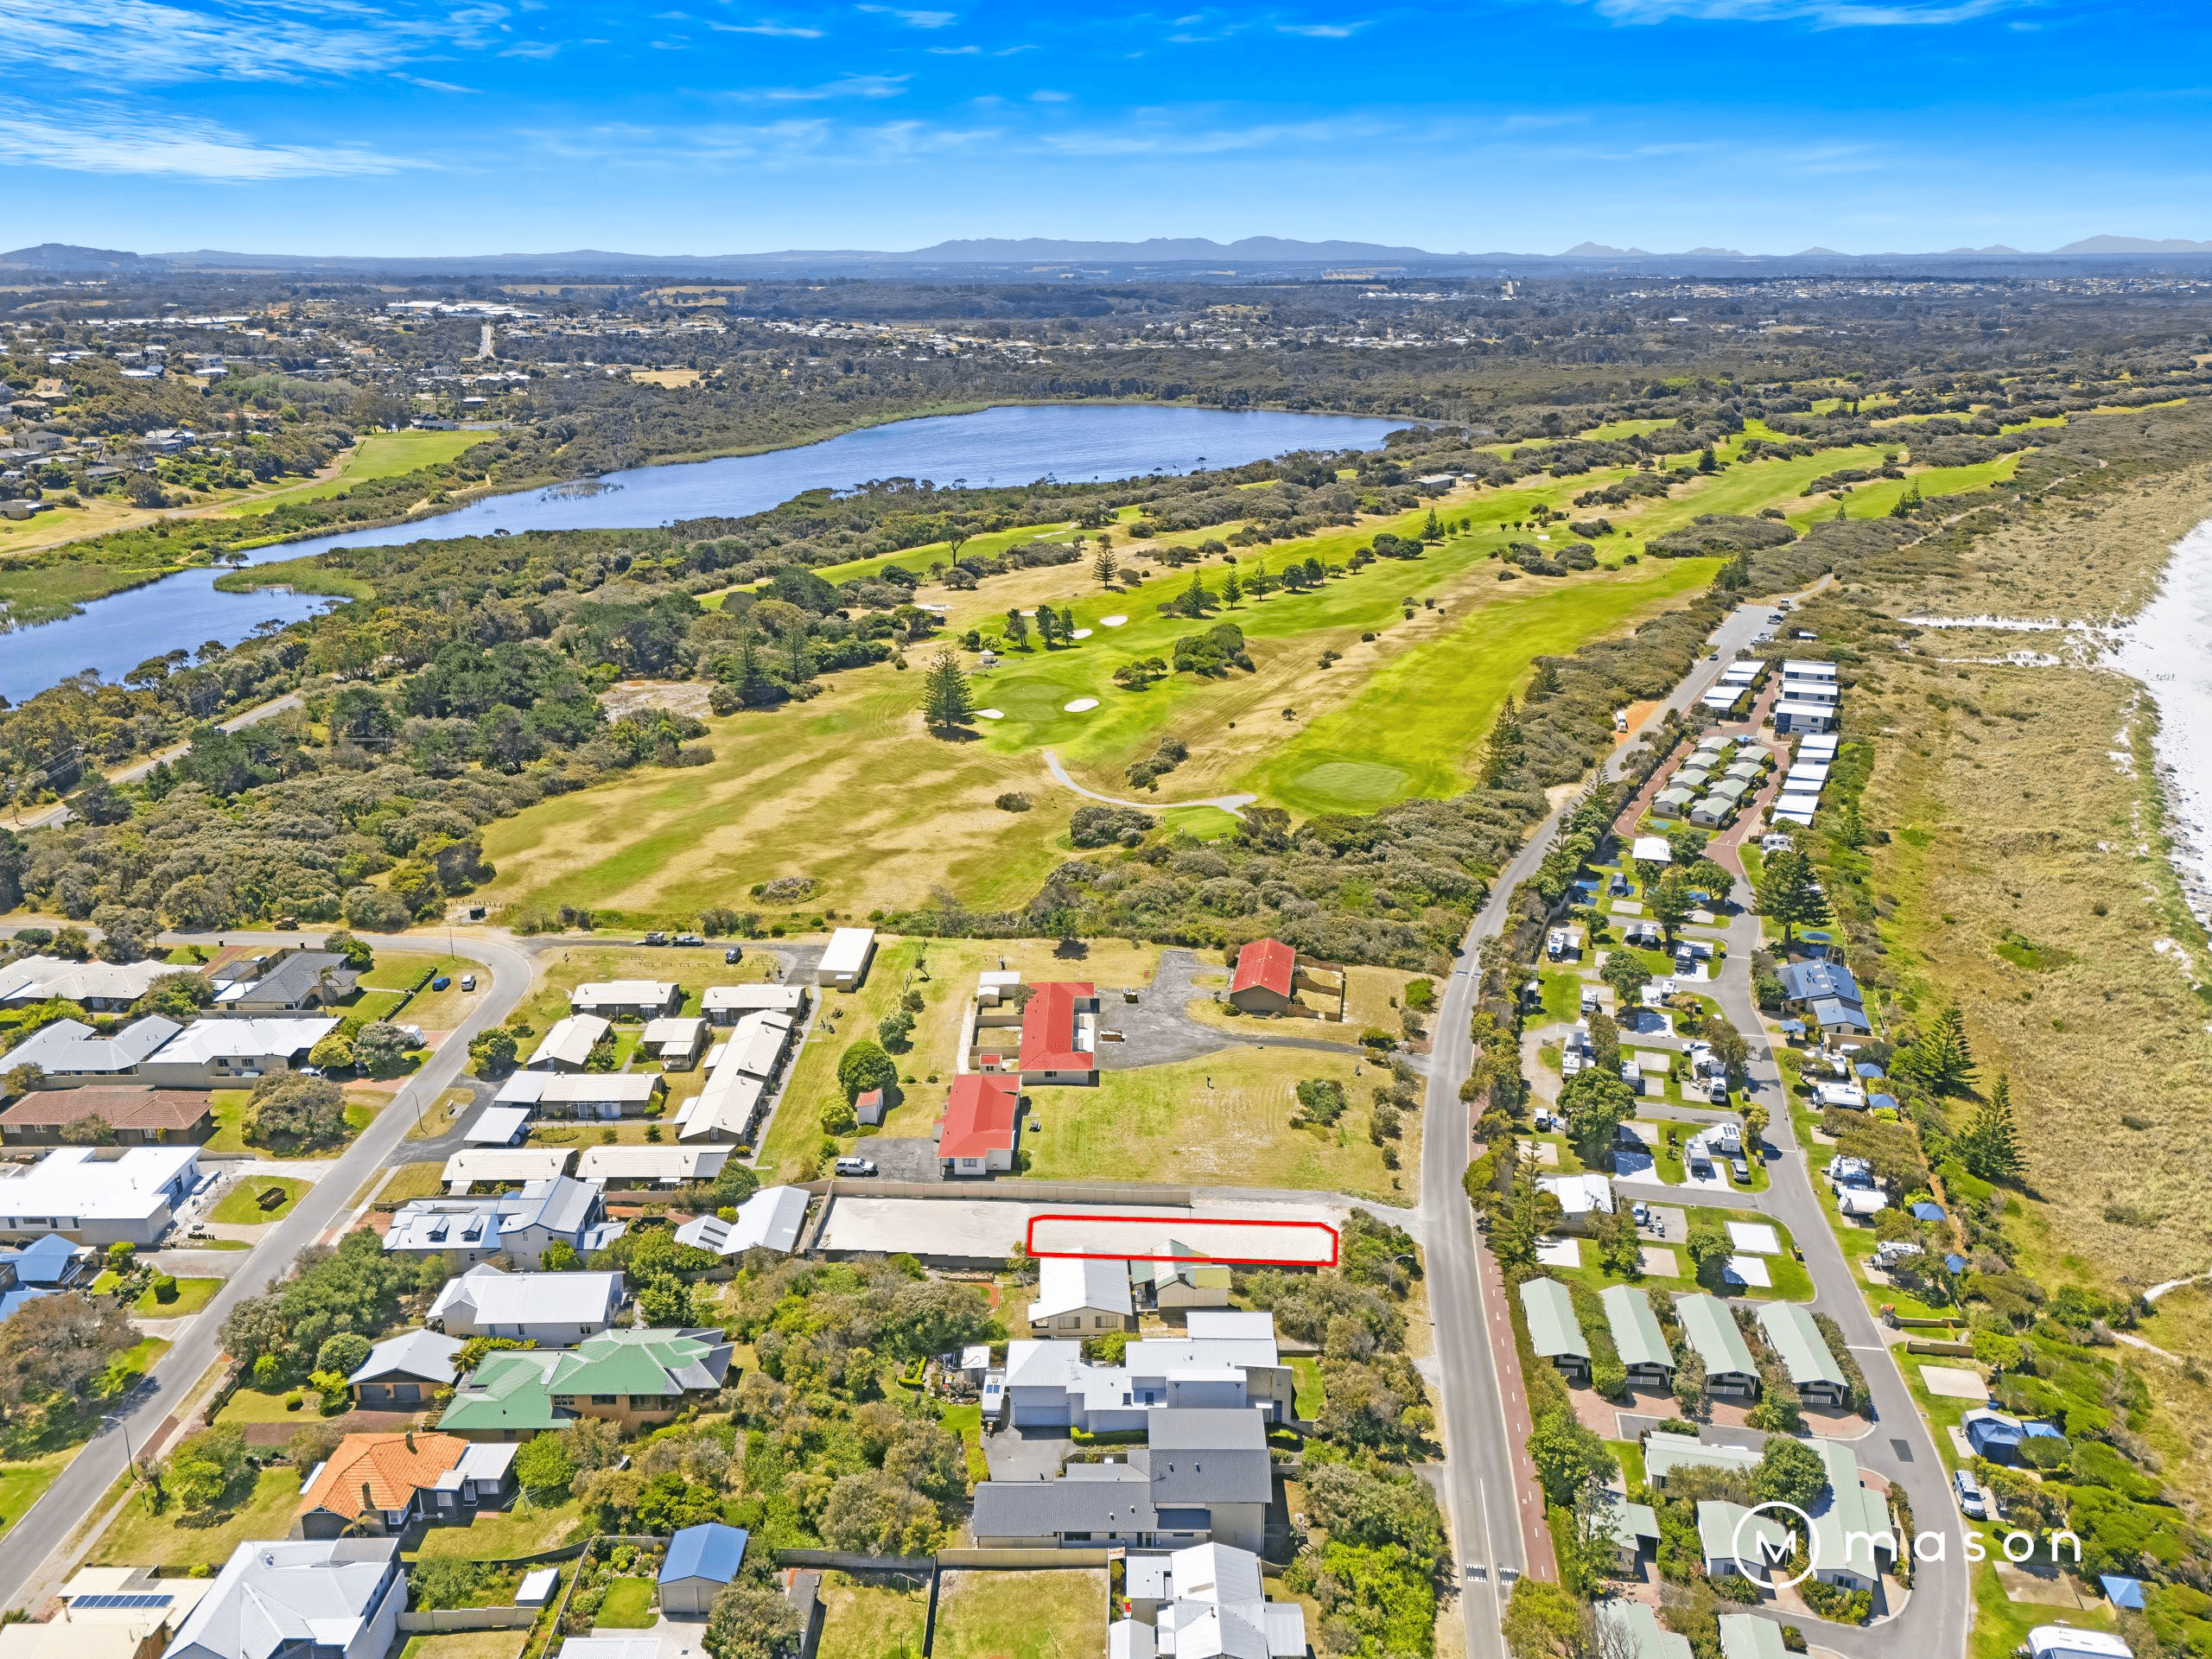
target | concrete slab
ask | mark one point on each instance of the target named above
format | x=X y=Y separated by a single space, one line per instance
x=1660 y=1263
x=1654 y=1061
x=1543 y=1152
x=980 y=1228
x=1754 y=1239
x=1954 y=1383
x=1676 y=1221
x=1748 y=1270
x=1627 y=907
x=1558 y=1252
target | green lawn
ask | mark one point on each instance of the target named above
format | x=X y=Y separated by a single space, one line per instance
x=628 y=1606
x=1311 y=1396
x=1792 y=1283
x=140 y=1538
x=192 y=1295
x=241 y=1205
x=967 y=1421
x=870 y=1621
x=255 y=1406
x=421 y=1180
x=523 y=1530
x=1052 y=1614
x=229 y=1106
x=23 y=1483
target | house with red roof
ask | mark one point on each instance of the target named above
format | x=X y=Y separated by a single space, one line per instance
x=1266 y=980
x=1059 y=1033
x=982 y=1122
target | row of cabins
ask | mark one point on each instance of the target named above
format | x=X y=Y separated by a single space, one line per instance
x=1799 y=797
x=1709 y=1327
x=1851 y=1532
x=1711 y=785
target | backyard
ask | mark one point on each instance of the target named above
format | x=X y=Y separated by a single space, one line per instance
x=870 y=1621
x=1053 y=1615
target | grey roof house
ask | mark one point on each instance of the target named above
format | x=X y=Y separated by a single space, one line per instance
x=289 y=1599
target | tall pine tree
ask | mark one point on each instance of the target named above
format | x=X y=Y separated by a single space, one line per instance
x=1991 y=1145
x=1944 y=1059
x=947 y=703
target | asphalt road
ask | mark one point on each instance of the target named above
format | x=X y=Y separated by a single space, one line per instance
x=1482 y=1503
x=31 y=1540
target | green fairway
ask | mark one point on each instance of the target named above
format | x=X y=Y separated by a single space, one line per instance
x=381 y=454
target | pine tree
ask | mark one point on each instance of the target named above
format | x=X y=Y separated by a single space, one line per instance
x=1104 y=566
x=1789 y=893
x=1946 y=1059
x=947 y=703
x=1017 y=629
x=1991 y=1145
x=1261 y=583
x=1231 y=589
x=1067 y=623
x=1431 y=531
x=1196 y=599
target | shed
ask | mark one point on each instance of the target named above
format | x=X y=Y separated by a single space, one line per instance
x=701 y=1561
x=845 y=958
x=538 y=1587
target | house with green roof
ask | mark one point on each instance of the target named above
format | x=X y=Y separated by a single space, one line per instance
x=1851 y=1525
x=630 y=1377
x=1746 y=1635
x=1632 y=1629
x=1710 y=1329
x=1664 y=1452
x=1790 y=1330
x=1553 y=1331
x=1748 y=1543
x=1642 y=1344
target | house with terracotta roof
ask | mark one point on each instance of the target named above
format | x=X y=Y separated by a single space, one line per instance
x=981 y=1123
x=135 y=1117
x=1059 y=1034
x=386 y=1483
x=1266 y=980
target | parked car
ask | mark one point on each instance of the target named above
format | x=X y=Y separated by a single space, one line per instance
x=468 y=982
x=733 y=953
x=689 y=939
x=1641 y=1213
x=1974 y=1503
x=856 y=1166
x=1717 y=1090
x=1741 y=1169
x=655 y=938
x=442 y=982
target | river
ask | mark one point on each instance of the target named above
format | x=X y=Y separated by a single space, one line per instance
x=1014 y=444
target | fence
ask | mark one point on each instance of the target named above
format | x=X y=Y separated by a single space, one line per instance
x=1012 y=1191
x=948 y=1560
x=444 y=1620
x=1944 y=1350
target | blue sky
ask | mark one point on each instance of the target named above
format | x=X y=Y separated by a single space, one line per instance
x=709 y=126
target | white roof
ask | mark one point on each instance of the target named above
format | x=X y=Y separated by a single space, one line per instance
x=847 y=951
x=1795 y=707
x=418 y=1353
x=207 y=1039
x=610 y=1647
x=1810 y=772
x=569 y=1041
x=1065 y=1284
x=756 y=1043
x=622 y=993
x=1740 y=673
x=1652 y=849
x=672 y=1028
x=591 y=1088
x=1807 y=668
x=277 y=1593
x=1820 y=745
x=1797 y=801
x=1579 y=1195
x=77 y=1184
x=770 y=1219
x=493 y=1296
x=524 y=1089
x=1127 y=1639
x=748 y=999
x=1032 y=1365
x=2065 y=1641
x=651 y=1163
x=70 y=1047
x=1803 y=820
x=1229 y=1324
x=737 y=1078
x=36 y=979
x=496 y=1126
x=1721 y=696
x=506 y=1164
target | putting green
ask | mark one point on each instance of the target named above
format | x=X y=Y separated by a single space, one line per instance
x=1354 y=783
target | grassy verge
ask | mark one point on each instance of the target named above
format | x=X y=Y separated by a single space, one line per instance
x=241 y=1206
x=192 y=1295
x=23 y=1481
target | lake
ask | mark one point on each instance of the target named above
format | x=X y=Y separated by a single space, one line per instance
x=1014 y=444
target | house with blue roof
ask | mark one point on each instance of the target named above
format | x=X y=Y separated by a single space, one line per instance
x=701 y=1562
x=50 y=1263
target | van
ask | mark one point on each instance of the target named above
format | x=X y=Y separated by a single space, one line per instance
x=1589 y=998
x=1717 y=1090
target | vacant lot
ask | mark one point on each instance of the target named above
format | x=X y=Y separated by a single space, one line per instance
x=524 y=1530
x=1055 y=1615
x=140 y=1538
x=870 y=1621
x=242 y=1205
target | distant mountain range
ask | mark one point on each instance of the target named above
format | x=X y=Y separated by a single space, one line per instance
x=1193 y=256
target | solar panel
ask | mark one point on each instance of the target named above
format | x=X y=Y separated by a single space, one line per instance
x=133 y=1598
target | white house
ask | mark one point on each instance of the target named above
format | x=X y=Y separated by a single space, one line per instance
x=739 y=1076
x=95 y=1195
x=519 y=1226
x=568 y=1045
x=845 y=958
x=651 y=1165
x=554 y=1310
x=70 y=1052
x=725 y=1005
x=101 y=987
x=282 y=1597
x=1081 y=1294
x=772 y=1219
x=626 y=998
x=675 y=1042
x=496 y=1164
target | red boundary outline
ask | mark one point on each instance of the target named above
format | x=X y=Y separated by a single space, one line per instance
x=1336 y=1242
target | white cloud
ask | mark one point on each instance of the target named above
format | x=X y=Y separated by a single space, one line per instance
x=843 y=86
x=1822 y=14
x=141 y=41
x=1045 y=95
x=956 y=50
x=782 y=31
x=915 y=19
x=82 y=140
x=1321 y=31
x=435 y=86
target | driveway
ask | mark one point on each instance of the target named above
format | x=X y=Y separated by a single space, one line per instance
x=1027 y=1453
x=901 y=1157
x=1155 y=1031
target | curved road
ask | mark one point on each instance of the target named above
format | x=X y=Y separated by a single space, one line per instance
x=35 y=1537
x=1232 y=804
